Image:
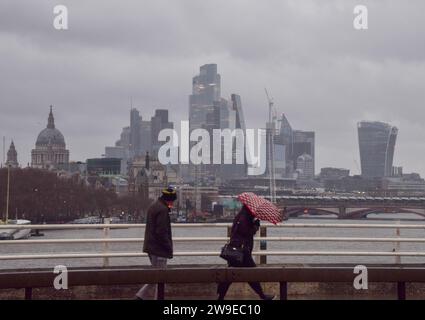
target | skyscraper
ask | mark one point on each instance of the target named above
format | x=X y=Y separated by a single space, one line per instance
x=135 y=121
x=124 y=140
x=303 y=143
x=232 y=118
x=286 y=138
x=145 y=137
x=296 y=143
x=140 y=137
x=376 y=143
x=206 y=90
x=305 y=167
x=237 y=107
x=208 y=110
x=158 y=122
x=239 y=124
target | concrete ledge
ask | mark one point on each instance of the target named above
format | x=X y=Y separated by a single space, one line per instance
x=200 y=281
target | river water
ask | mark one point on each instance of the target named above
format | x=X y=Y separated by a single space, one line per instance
x=7 y=249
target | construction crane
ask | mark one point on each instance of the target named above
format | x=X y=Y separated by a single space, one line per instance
x=271 y=130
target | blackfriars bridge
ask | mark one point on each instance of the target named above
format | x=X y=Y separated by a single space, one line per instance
x=350 y=207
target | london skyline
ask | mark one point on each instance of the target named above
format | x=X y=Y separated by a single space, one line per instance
x=89 y=73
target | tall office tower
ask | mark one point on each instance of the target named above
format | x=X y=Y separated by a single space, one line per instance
x=227 y=115
x=237 y=107
x=305 y=167
x=135 y=121
x=205 y=172
x=231 y=117
x=145 y=137
x=279 y=156
x=303 y=143
x=286 y=138
x=208 y=110
x=121 y=150
x=158 y=122
x=124 y=140
x=240 y=170
x=280 y=160
x=376 y=143
x=204 y=112
x=205 y=92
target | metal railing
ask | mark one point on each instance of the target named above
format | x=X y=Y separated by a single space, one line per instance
x=211 y=225
x=260 y=249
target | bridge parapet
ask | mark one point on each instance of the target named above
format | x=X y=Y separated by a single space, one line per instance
x=283 y=274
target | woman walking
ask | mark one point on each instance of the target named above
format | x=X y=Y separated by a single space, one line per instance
x=244 y=227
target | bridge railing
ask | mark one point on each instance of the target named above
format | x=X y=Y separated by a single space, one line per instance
x=260 y=250
x=44 y=278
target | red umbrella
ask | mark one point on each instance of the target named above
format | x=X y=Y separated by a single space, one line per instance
x=261 y=208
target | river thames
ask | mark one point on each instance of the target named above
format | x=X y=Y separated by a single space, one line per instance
x=193 y=246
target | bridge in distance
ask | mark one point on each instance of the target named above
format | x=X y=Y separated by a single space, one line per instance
x=349 y=207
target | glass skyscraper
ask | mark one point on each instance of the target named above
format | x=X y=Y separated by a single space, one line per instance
x=304 y=143
x=376 y=143
x=135 y=133
x=158 y=122
x=205 y=95
x=208 y=110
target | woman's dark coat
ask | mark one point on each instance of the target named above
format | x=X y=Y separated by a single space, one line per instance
x=243 y=230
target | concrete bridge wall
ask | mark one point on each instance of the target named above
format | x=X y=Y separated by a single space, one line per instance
x=237 y=291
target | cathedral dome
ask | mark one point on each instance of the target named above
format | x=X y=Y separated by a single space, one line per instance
x=50 y=135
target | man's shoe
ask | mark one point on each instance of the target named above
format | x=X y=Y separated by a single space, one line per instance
x=268 y=297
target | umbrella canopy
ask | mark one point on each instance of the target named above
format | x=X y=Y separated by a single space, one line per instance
x=261 y=208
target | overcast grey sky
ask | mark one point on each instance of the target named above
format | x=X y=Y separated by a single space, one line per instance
x=322 y=73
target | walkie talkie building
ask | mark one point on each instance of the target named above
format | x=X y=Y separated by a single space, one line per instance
x=376 y=143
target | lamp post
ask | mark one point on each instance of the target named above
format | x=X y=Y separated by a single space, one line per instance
x=35 y=205
x=7 y=194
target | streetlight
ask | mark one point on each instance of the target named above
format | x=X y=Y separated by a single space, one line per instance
x=7 y=193
x=35 y=204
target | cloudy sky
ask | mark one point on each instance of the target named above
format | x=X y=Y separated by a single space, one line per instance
x=325 y=75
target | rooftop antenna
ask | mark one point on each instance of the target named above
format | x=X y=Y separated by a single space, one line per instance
x=271 y=130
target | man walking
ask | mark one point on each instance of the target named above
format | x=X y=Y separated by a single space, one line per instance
x=158 y=243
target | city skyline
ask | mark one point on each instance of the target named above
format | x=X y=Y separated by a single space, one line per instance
x=152 y=146
x=164 y=113
x=325 y=86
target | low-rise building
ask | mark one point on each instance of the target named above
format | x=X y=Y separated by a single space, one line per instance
x=406 y=183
